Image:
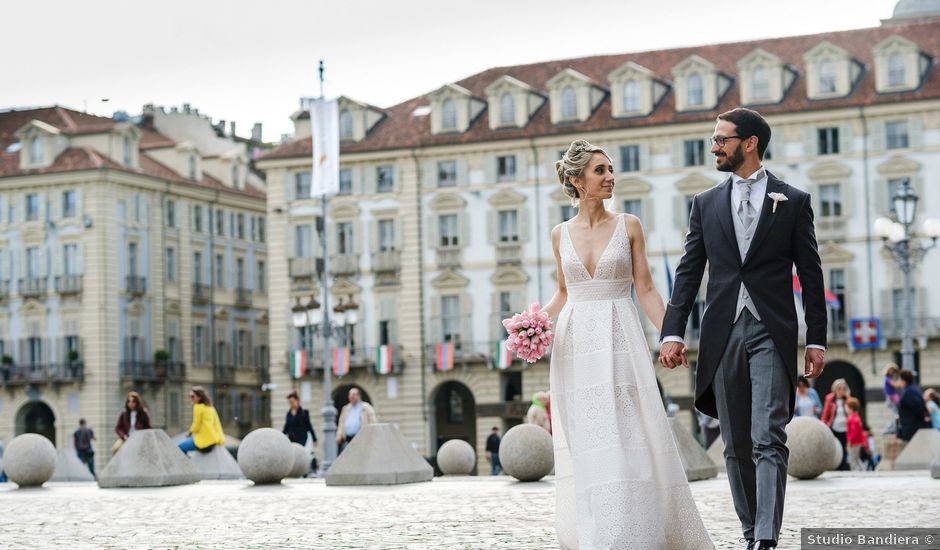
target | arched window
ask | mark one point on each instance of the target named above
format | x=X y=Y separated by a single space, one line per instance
x=345 y=124
x=695 y=90
x=507 y=109
x=896 y=76
x=760 y=85
x=631 y=96
x=827 y=77
x=35 y=150
x=449 y=114
x=569 y=103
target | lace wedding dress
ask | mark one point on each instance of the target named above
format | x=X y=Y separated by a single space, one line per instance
x=618 y=477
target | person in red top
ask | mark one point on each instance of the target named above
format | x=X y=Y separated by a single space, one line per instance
x=854 y=434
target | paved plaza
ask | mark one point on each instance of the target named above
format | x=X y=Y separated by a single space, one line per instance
x=472 y=513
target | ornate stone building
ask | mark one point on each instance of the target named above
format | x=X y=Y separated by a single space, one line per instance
x=132 y=256
x=447 y=201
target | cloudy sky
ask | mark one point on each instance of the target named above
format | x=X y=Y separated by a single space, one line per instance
x=251 y=61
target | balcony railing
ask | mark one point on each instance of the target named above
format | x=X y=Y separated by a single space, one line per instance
x=202 y=293
x=152 y=371
x=33 y=287
x=386 y=261
x=242 y=297
x=466 y=354
x=448 y=256
x=509 y=253
x=303 y=268
x=344 y=264
x=136 y=285
x=223 y=374
x=363 y=357
x=42 y=373
x=68 y=284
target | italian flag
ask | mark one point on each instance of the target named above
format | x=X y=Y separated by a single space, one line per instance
x=503 y=358
x=341 y=361
x=383 y=360
x=298 y=363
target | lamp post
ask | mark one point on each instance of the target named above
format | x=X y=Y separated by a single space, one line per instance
x=907 y=250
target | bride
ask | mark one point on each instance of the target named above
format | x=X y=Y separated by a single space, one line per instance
x=619 y=480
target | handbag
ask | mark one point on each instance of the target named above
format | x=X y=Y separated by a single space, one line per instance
x=117 y=446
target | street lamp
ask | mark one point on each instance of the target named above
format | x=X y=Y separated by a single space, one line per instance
x=907 y=253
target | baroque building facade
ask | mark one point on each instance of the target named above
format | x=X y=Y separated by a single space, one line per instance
x=446 y=202
x=132 y=257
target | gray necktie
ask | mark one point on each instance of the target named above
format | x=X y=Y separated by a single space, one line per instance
x=746 y=212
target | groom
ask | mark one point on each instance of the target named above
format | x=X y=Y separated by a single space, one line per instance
x=751 y=230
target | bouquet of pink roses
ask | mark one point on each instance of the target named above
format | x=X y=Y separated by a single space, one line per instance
x=530 y=333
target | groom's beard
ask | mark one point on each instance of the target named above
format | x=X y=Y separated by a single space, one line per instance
x=732 y=163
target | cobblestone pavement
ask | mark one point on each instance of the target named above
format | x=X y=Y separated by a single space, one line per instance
x=472 y=513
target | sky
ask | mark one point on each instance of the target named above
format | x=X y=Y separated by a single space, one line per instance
x=253 y=61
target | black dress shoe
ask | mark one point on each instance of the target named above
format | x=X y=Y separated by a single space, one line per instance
x=767 y=545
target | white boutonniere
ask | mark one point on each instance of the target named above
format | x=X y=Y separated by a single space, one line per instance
x=777 y=197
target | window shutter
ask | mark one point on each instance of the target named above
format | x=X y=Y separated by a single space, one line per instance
x=492 y=227
x=877 y=135
x=357 y=236
x=645 y=157
x=847 y=198
x=678 y=147
x=461 y=172
x=845 y=138
x=288 y=186
x=429 y=174
x=55 y=205
x=522 y=168
x=491 y=169
x=373 y=235
x=466 y=319
x=880 y=190
x=433 y=231
x=915 y=129
x=524 y=224
x=463 y=220
x=398 y=228
x=680 y=220
x=810 y=146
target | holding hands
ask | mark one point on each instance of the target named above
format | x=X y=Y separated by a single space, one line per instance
x=672 y=354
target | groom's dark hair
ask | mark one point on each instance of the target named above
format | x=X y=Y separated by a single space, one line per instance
x=749 y=123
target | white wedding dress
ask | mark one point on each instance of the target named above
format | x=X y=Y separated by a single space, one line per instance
x=619 y=481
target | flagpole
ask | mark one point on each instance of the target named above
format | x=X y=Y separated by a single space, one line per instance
x=329 y=409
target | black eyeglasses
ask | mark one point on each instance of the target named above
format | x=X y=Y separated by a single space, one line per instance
x=721 y=140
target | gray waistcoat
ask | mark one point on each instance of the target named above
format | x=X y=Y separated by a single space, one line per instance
x=744 y=238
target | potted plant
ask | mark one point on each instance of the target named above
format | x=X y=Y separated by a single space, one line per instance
x=6 y=364
x=160 y=359
x=73 y=355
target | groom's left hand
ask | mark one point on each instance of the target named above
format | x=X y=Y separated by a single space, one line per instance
x=815 y=361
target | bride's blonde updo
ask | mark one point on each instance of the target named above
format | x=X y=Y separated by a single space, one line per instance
x=572 y=164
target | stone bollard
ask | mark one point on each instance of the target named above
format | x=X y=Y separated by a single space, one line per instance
x=29 y=460
x=526 y=452
x=301 y=461
x=813 y=448
x=265 y=456
x=148 y=459
x=456 y=457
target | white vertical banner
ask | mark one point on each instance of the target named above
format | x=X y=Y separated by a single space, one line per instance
x=324 y=120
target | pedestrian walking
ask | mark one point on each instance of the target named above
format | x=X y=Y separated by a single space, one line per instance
x=297 y=425
x=834 y=416
x=912 y=411
x=807 y=400
x=932 y=398
x=82 y=439
x=352 y=418
x=492 y=452
x=854 y=434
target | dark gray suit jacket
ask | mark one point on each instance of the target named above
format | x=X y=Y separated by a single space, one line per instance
x=782 y=239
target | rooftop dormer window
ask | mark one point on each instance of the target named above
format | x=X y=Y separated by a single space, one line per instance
x=126 y=151
x=695 y=90
x=507 y=109
x=191 y=167
x=236 y=177
x=35 y=150
x=345 y=124
x=569 y=103
x=760 y=85
x=896 y=76
x=827 y=77
x=449 y=115
x=631 y=96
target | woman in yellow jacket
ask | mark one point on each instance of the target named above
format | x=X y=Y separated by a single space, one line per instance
x=206 y=430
